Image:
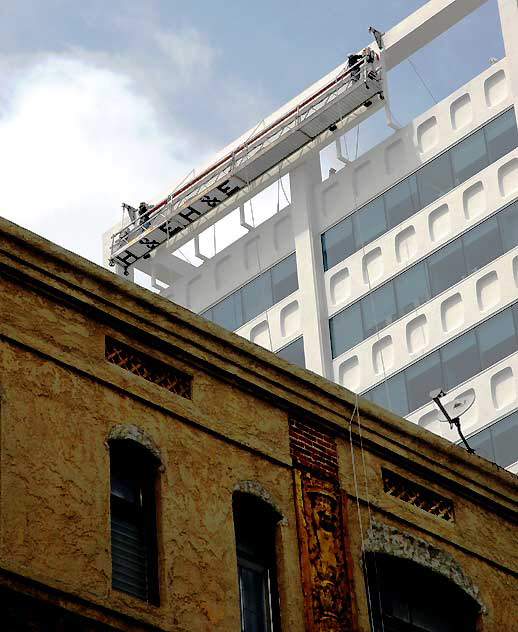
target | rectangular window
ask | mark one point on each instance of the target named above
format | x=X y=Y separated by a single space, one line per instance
x=401 y=201
x=505 y=440
x=369 y=222
x=338 y=243
x=294 y=352
x=412 y=289
x=391 y=395
x=346 y=329
x=446 y=267
x=496 y=338
x=482 y=245
x=422 y=377
x=227 y=312
x=284 y=278
x=469 y=157
x=508 y=220
x=434 y=179
x=501 y=135
x=254 y=526
x=378 y=309
x=133 y=520
x=460 y=360
x=482 y=443
x=256 y=296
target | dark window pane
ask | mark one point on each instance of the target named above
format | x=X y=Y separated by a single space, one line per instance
x=460 y=360
x=284 y=278
x=508 y=220
x=496 y=338
x=294 y=352
x=369 y=222
x=469 y=157
x=401 y=201
x=505 y=440
x=501 y=135
x=434 y=179
x=482 y=245
x=256 y=296
x=421 y=378
x=412 y=289
x=346 y=329
x=396 y=399
x=338 y=243
x=446 y=267
x=378 y=309
x=227 y=312
x=252 y=594
x=482 y=444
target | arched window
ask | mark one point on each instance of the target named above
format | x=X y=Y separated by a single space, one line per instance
x=133 y=471
x=407 y=597
x=254 y=524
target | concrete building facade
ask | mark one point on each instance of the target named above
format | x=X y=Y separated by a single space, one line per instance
x=158 y=472
x=398 y=274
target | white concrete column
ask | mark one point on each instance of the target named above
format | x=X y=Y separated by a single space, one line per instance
x=508 y=10
x=315 y=328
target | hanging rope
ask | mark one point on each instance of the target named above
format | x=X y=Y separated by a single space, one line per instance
x=367 y=497
x=358 y=510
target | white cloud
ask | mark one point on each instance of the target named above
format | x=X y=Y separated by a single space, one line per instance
x=188 y=54
x=76 y=140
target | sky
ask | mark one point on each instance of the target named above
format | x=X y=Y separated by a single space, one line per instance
x=104 y=102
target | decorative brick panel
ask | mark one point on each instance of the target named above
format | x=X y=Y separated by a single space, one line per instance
x=148 y=368
x=313 y=448
x=416 y=495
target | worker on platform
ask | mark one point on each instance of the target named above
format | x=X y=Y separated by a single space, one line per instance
x=353 y=62
x=143 y=213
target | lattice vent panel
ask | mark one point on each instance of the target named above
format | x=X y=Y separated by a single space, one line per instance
x=148 y=368
x=418 y=496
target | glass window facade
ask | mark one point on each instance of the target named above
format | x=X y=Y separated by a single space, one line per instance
x=446 y=267
x=501 y=135
x=456 y=362
x=257 y=296
x=294 y=352
x=346 y=329
x=429 y=183
x=469 y=157
x=369 y=222
x=427 y=279
x=499 y=442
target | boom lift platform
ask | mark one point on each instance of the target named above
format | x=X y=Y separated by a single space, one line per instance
x=351 y=91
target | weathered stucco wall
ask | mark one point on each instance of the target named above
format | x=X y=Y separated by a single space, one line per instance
x=251 y=422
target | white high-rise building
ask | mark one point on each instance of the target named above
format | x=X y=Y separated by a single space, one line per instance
x=395 y=275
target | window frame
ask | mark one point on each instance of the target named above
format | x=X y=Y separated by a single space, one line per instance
x=130 y=461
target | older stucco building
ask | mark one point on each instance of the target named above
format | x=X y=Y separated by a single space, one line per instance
x=161 y=473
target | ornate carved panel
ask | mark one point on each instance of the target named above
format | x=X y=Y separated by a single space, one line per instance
x=325 y=570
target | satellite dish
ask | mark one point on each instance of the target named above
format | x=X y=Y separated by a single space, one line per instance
x=457 y=407
x=452 y=411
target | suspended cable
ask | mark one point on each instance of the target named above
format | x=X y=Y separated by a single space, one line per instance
x=358 y=510
x=371 y=300
x=367 y=497
x=422 y=81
